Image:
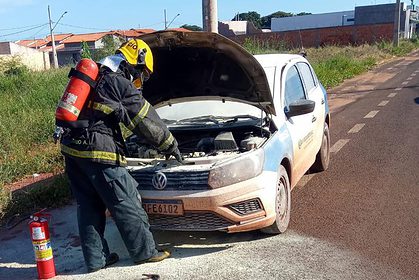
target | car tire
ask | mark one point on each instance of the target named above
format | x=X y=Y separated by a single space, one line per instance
x=323 y=156
x=282 y=204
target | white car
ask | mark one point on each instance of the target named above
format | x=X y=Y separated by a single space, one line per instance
x=249 y=127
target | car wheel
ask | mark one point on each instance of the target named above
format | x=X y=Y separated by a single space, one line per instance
x=282 y=204
x=323 y=156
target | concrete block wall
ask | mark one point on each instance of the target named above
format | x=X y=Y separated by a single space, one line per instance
x=33 y=59
x=342 y=35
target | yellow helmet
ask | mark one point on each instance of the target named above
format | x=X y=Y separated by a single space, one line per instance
x=137 y=52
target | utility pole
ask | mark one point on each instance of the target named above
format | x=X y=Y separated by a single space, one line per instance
x=396 y=24
x=209 y=15
x=54 y=51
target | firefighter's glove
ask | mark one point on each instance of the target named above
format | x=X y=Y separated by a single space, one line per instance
x=176 y=154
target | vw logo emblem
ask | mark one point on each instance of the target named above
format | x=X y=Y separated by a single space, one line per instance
x=159 y=181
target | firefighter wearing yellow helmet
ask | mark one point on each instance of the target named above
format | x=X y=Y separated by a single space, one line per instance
x=95 y=151
x=138 y=54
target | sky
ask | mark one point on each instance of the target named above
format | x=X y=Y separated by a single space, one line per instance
x=28 y=19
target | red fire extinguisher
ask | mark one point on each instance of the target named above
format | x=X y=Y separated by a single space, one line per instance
x=82 y=79
x=39 y=231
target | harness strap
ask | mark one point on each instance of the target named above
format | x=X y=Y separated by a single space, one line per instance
x=80 y=75
x=75 y=124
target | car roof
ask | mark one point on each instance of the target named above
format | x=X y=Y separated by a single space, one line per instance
x=272 y=60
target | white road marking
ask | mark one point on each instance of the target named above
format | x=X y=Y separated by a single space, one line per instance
x=15 y=265
x=393 y=94
x=398 y=89
x=413 y=74
x=405 y=83
x=409 y=79
x=383 y=103
x=356 y=128
x=339 y=145
x=417 y=71
x=371 y=114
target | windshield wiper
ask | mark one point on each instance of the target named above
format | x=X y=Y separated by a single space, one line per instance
x=238 y=117
x=209 y=118
x=166 y=121
x=217 y=119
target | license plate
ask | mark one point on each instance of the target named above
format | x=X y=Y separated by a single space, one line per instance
x=163 y=207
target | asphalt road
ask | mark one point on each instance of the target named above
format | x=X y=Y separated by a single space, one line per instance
x=358 y=220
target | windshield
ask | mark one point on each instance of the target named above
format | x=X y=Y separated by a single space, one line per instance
x=208 y=109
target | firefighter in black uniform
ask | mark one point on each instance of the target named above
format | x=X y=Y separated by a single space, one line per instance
x=95 y=157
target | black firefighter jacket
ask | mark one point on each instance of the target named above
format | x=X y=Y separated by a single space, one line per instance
x=115 y=100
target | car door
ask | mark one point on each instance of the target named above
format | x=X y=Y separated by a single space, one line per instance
x=301 y=126
x=314 y=93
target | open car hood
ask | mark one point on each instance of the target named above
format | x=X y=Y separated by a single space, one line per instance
x=204 y=66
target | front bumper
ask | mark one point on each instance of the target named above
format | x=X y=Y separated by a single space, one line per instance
x=244 y=206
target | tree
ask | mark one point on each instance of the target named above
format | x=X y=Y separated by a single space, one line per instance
x=85 y=50
x=266 y=20
x=250 y=16
x=303 y=14
x=191 y=27
x=109 y=47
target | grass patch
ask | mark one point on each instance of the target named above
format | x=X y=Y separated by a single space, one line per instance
x=264 y=47
x=54 y=193
x=334 y=64
x=27 y=105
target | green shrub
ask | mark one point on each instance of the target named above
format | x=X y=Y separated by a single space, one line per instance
x=85 y=50
x=12 y=66
x=27 y=106
x=263 y=47
x=405 y=47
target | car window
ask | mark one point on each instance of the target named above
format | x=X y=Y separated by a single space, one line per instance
x=294 y=89
x=307 y=76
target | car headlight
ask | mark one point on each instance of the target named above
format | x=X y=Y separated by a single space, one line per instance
x=237 y=170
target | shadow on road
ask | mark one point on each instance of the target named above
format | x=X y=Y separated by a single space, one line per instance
x=188 y=244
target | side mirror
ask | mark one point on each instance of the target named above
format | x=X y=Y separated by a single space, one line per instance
x=300 y=107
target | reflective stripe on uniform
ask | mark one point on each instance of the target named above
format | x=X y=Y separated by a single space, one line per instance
x=93 y=154
x=166 y=144
x=103 y=108
x=139 y=117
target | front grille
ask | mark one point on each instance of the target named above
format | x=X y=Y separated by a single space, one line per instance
x=176 y=181
x=190 y=221
x=246 y=207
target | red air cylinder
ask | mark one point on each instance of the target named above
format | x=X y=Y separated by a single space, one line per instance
x=38 y=227
x=77 y=91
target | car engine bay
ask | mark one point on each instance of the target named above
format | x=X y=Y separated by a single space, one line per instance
x=205 y=141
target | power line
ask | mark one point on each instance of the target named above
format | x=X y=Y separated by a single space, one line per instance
x=15 y=28
x=37 y=32
x=22 y=31
x=94 y=28
x=150 y=25
x=82 y=27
